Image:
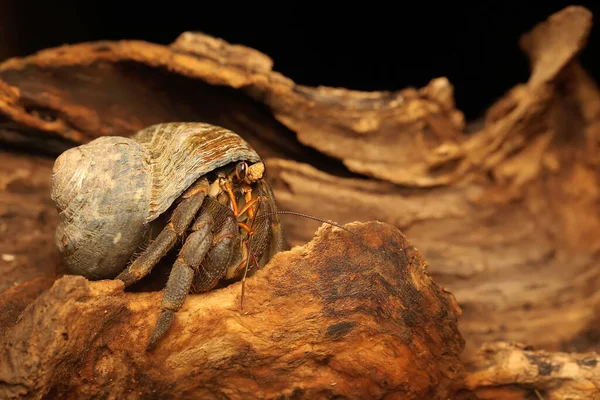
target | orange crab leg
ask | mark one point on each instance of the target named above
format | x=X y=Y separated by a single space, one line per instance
x=234 y=204
x=248 y=207
x=246 y=227
x=248 y=198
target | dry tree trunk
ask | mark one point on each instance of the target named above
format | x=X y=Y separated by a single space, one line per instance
x=506 y=218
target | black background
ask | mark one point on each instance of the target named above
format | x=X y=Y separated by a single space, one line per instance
x=366 y=45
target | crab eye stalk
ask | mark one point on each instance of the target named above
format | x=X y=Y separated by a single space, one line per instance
x=240 y=171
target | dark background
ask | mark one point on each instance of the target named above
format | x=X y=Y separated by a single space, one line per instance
x=368 y=46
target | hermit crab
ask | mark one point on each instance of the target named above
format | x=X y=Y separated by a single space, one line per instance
x=209 y=181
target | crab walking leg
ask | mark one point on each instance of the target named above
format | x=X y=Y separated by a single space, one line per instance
x=182 y=274
x=182 y=217
x=188 y=269
x=217 y=260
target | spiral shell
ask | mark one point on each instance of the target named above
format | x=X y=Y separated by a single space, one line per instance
x=109 y=190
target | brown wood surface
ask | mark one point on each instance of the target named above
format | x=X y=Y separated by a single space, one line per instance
x=349 y=314
x=514 y=371
x=505 y=217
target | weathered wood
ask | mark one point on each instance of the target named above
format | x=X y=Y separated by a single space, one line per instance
x=506 y=217
x=349 y=314
x=513 y=371
x=27 y=220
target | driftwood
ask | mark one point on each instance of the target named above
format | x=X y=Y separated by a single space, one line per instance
x=514 y=371
x=349 y=314
x=506 y=217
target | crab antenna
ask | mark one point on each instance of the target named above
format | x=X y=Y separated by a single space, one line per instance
x=250 y=254
x=299 y=214
x=248 y=247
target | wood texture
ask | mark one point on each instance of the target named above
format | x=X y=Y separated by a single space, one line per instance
x=27 y=220
x=506 y=216
x=514 y=371
x=349 y=314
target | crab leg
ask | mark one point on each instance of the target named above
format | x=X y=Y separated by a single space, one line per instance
x=200 y=265
x=182 y=217
x=181 y=277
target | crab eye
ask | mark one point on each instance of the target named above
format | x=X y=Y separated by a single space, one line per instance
x=240 y=171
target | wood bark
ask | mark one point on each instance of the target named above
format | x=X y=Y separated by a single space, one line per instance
x=506 y=217
x=514 y=371
x=350 y=314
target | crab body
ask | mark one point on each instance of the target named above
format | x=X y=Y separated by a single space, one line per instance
x=111 y=192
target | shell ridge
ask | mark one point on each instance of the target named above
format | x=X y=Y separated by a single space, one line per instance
x=174 y=170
